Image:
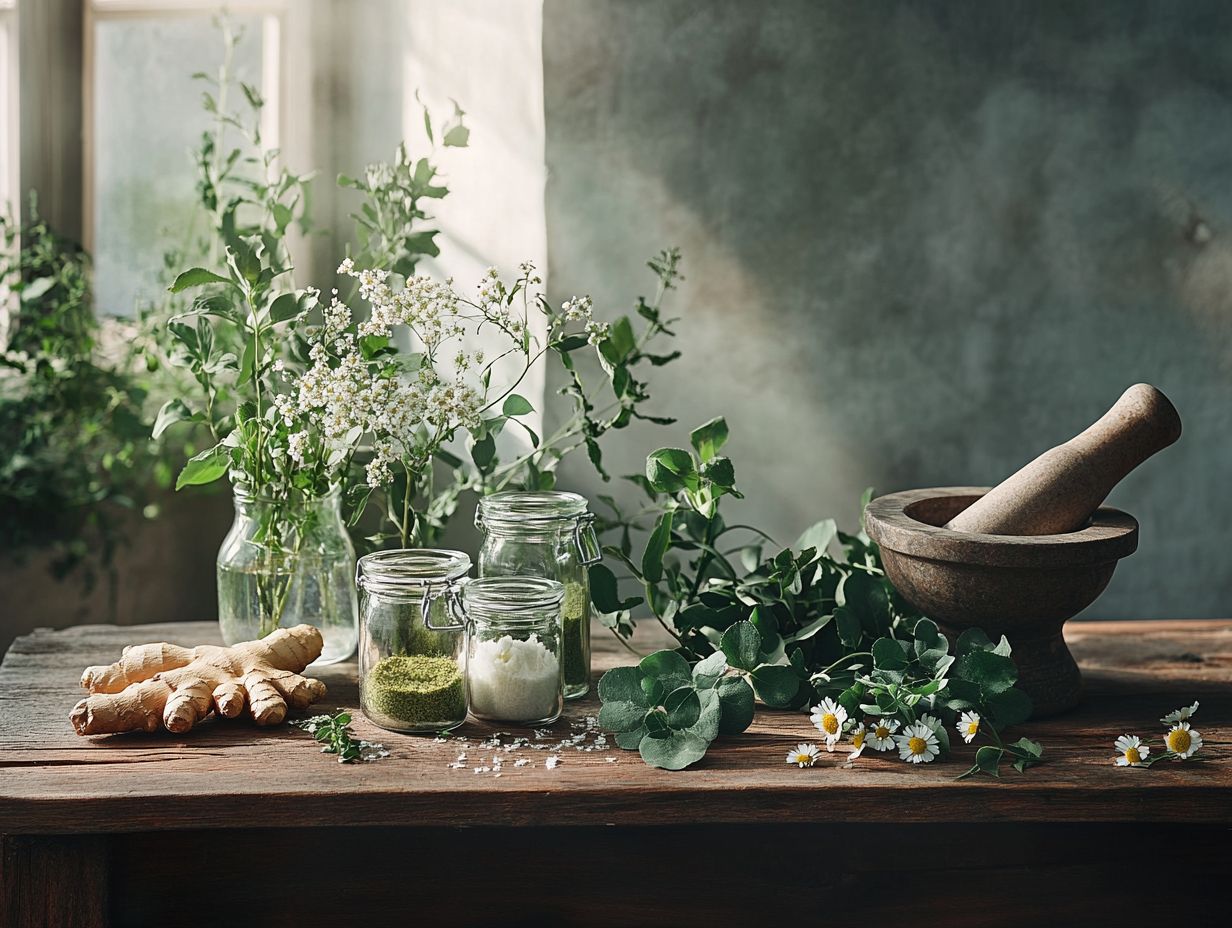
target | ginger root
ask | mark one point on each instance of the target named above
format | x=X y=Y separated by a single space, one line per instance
x=164 y=684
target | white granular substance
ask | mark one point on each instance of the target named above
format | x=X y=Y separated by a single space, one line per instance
x=514 y=680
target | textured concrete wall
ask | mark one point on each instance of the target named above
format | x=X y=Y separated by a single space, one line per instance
x=924 y=241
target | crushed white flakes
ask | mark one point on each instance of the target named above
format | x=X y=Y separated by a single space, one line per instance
x=584 y=736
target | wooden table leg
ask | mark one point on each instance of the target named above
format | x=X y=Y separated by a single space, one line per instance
x=53 y=880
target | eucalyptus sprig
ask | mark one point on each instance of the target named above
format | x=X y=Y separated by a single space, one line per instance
x=670 y=712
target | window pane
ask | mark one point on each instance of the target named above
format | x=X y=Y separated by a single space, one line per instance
x=8 y=108
x=148 y=118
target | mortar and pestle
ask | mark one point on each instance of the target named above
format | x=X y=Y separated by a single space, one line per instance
x=1022 y=558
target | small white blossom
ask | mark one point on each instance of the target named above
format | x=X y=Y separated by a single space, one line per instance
x=804 y=755
x=917 y=744
x=859 y=741
x=1132 y=752
x=969 y=726
x=829 y=717
x=1182 y=740
x=1180 y=714
x=881 y=735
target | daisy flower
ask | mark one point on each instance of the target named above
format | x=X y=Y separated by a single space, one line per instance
x=917 y=743
x=969 y=726
x=1133 y=752
x=804 y=755
x=881 y=735
x=1180 y=715
x=1182 y=740
x=829 y=717
x=859 y=740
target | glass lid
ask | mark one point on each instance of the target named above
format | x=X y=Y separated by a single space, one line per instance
x=530 y=506
x=494 y=594
x=410 y=567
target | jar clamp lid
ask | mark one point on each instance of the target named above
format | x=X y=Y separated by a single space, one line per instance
x=497 y=594
x=426 y=573
x=540 y=509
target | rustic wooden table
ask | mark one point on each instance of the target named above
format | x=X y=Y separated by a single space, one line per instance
x=237 y=825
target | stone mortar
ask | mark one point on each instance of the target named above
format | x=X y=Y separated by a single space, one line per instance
x=1022 y=586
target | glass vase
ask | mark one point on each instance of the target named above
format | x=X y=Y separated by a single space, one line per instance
x=286 y=563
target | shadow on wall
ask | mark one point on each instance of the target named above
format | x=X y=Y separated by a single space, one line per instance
x=924 y=242
x=165 y=573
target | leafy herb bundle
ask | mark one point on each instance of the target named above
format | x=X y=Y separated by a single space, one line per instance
x=74 y=437
x=797 y=626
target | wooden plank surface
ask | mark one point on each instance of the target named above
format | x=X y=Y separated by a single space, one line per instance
x=235 y=775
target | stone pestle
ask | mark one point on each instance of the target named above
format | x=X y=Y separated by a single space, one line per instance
x=1058 y=491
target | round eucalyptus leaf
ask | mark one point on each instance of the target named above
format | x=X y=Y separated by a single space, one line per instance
x=707 y=672
x=742 y=645
x=675 y=752
x=776 y=684
x=666 y=666
x=623 y=684
x=621 y=716
x=736 y=699
x=683 y=708
x=708 y=722
x=629 y=740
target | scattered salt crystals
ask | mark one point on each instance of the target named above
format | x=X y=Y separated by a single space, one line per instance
x=584 y=735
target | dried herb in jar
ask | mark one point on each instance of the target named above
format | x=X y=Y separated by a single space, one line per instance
x=416 y=689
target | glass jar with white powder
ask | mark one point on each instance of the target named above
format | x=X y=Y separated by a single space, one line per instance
x=514 y=667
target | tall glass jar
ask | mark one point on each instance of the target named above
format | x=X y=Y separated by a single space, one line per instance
x=285 y=563
x=548 y=534
x=411 y=647
x=514 y=670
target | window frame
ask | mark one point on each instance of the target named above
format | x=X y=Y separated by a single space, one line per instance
x=287 y=114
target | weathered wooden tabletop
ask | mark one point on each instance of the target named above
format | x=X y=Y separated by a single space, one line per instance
x=226 y=775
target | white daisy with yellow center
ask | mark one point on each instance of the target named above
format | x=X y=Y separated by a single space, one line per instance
x=803 y=755
x=969 y=726
x=859 y=740
x=1182 y=740
x=881 y=734
x=1131 y=751
x=829 y=718
x=1181 y=714
x=917 y=743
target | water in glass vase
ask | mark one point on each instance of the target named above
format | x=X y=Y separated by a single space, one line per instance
x=281 y=567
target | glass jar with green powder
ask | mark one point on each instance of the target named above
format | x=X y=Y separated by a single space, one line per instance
x=411 y=645
x=547 y=534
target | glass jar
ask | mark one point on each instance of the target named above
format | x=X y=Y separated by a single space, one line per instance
x=284 y=563
x=547 y=534
x=514 y=671
x=411 y=654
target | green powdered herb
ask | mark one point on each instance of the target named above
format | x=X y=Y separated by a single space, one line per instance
x=417 y=690
x=575 y=614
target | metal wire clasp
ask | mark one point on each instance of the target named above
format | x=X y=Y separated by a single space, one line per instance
x=452 y=593
x=587 y=539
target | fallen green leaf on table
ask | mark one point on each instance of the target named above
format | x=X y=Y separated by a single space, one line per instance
x=334 y=732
